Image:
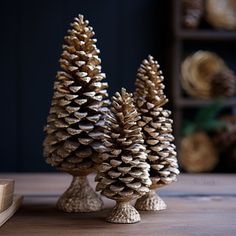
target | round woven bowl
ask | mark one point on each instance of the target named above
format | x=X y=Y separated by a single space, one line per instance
x=197 y=153
x=221 y=13
x=198 y=70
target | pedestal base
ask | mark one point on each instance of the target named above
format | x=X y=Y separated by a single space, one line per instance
x=150 y=202
x=124 y=213
x=79 y=197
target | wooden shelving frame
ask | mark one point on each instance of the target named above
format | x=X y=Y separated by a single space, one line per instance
x=205 y=35
x=180 y=37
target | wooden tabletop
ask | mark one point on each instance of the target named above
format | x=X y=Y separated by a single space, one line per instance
x=197 y=205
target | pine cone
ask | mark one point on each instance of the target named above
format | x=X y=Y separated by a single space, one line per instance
x=225 y=142
x=155 y=123
x=192 y=13
x=226 y=137
x=75 y=121
x=123 y=175
x=223 y=84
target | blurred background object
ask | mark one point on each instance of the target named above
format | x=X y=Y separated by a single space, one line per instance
x=172 y=31
x=203 y=71
x=192 y=13
x=217 y=13
x=221 y=14
x=225 y=141
x=223 y=84
x=205 y=75
x=198 y=153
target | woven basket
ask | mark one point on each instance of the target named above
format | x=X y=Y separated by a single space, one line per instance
x=221 y=13
x=198 y=70
x=197 y=153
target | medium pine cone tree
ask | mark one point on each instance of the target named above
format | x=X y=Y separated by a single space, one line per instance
x=157 y=132
x=123 y=174
x=75 y=121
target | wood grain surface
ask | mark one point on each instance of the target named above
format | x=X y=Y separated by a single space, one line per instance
x=197 y=205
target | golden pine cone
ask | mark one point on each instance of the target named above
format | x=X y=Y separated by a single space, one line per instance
x=123 y=174
x=155 y=123
x=75 y=121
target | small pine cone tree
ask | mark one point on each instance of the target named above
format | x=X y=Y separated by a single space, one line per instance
x=75 y=121
x=123 y=174
x=157 y=132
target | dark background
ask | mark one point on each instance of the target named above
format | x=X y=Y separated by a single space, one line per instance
x=31 y=37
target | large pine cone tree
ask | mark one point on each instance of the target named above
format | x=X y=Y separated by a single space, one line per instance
x=75 y=121
x=155 y=123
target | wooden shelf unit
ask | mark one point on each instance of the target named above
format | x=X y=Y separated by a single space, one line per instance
x=206 y=35
x=191 y=102
x=180 y=37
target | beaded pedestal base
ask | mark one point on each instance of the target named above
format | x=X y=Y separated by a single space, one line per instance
x=79 y=197
x=124 y=213
x=150 y=202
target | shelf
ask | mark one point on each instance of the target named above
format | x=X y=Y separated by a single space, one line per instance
x=207 y=35
x=196 y=38
x=184 y=102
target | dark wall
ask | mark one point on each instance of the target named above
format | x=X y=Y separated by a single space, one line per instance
x=31 y=37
